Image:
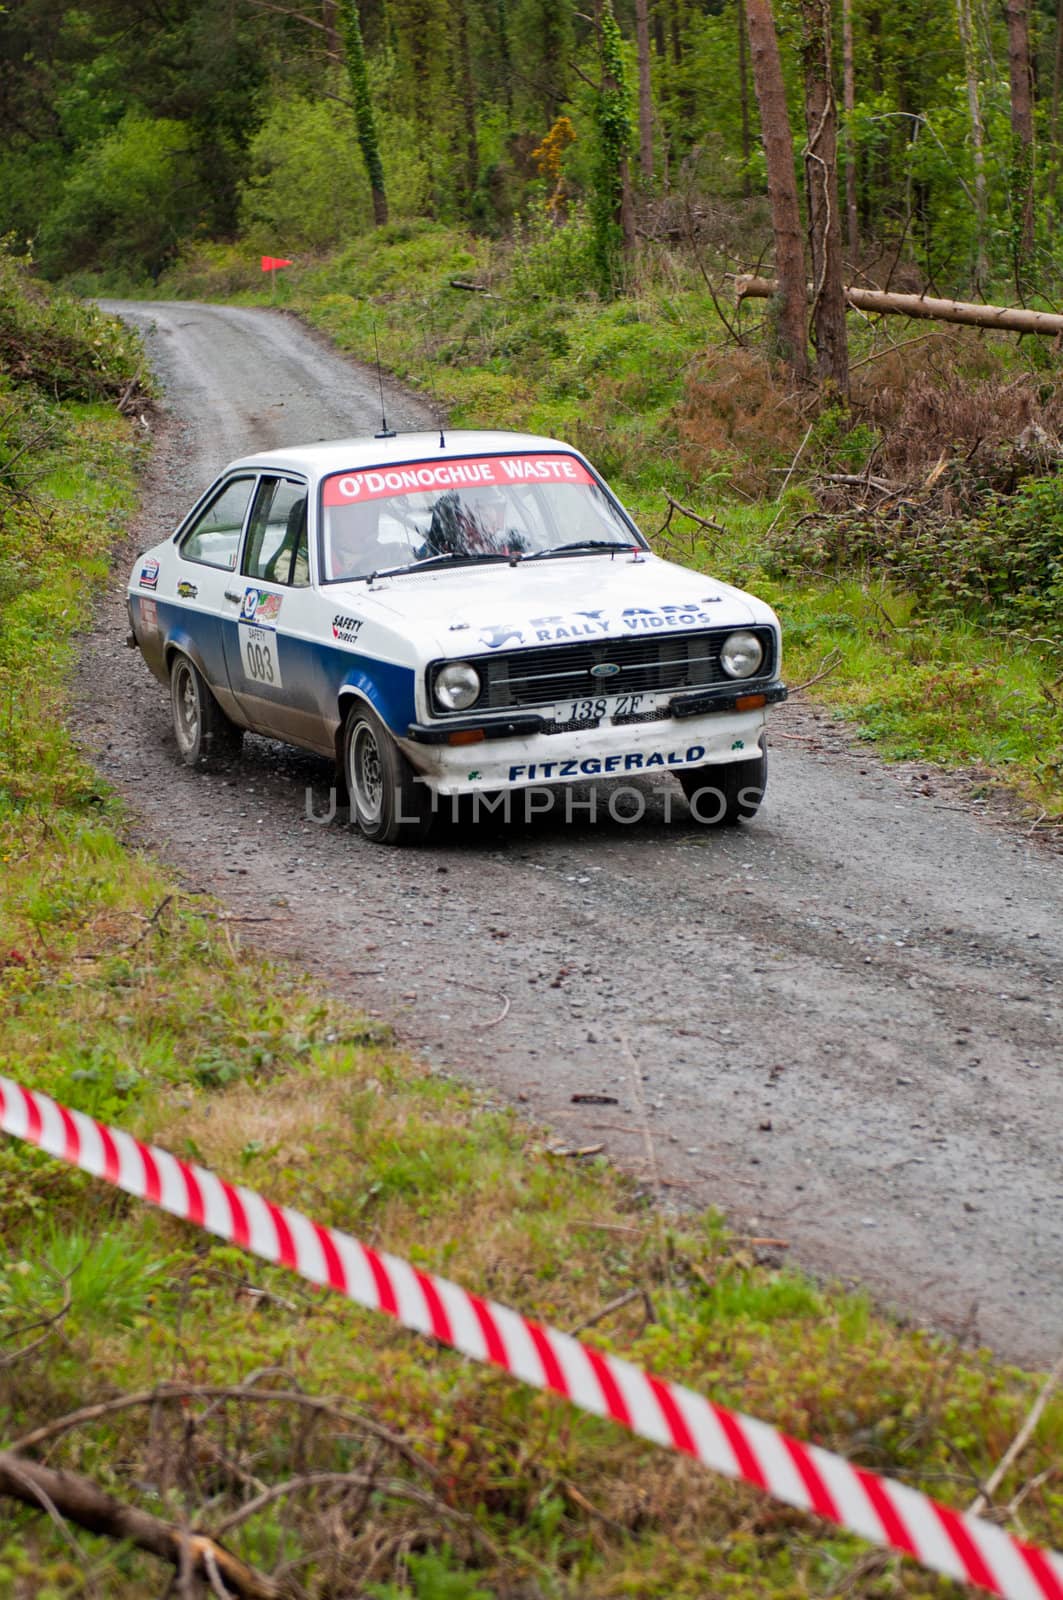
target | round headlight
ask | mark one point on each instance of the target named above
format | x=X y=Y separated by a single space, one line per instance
x=741 y=655
x=457 y=686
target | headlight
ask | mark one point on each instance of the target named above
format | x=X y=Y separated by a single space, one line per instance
x=741 y=655
x=457 y=686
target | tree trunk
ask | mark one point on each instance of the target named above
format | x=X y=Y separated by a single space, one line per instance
x=743 y=98
x=775 y=130
x=642 y=40
x=505 y=60
x=467 y=109
x=1013 y=318
x=363 y=110
x=1057 y=73
x=328 y=22
x=974 y=105
x=1021 y=130
x=821 y=188
x=849 y=101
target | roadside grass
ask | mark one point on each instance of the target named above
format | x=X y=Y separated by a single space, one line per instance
x=654 y=393
x=129 y=997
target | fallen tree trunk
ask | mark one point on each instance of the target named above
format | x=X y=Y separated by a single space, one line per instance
x=1015 y=318
x=76 y=1499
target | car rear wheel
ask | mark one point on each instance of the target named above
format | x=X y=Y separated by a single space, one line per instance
x=388 y=802
x=205 y=736
x=720 y=796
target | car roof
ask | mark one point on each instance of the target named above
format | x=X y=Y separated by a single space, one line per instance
x=340 y=455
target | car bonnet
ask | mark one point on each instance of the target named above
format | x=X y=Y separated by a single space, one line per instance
x=463 y=610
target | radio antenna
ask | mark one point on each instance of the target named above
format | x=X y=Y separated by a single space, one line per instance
x=385 y=431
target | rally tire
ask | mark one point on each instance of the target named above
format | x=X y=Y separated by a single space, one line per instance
x=721 y=796
x=389 y=804
x=205 y=736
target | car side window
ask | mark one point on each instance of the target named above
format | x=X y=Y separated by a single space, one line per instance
x=214 y=537
x=277 y=549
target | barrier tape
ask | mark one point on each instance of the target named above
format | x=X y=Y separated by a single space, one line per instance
x=879 y=1509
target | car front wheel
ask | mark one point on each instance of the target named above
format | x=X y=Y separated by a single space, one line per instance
x=720 y=796
x=205 y=736
x=388 y=803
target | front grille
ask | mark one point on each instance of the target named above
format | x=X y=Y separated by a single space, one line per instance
x=661 y=715
x=577 y=726
x=649 y=663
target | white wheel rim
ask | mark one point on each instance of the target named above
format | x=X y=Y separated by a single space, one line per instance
x=186 y=708
x=366 y=772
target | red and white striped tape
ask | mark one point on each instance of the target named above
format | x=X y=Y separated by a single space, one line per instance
x=879 y=1509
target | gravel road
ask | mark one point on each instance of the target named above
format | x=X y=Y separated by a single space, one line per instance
x=840 y=1024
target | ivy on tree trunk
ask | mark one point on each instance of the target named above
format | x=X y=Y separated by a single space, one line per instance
x=610 y=206
x=363 y=110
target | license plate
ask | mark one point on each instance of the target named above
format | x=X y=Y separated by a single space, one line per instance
x=604 y=707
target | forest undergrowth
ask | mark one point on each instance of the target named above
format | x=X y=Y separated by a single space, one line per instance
x=221 y=1389
x=913 y=544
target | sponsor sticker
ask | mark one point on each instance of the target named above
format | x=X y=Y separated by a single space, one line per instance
x=499 y=634
x=426 y=477
x=596 y=624
x=149 y=616
x=149 y=574
x=606 y=766
x=186 y=590
x=346 y=629
x=260 y=607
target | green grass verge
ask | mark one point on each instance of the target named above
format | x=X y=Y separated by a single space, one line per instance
x=138 y=1003
x=648 y=389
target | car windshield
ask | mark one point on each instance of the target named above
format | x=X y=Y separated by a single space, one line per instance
x=464 y=509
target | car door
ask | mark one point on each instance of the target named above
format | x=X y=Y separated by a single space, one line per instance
x=202 y=595
x=268 y=644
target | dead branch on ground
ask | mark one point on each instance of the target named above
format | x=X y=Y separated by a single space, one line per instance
x=79 y=1500
x=179 y=1393
x=830 y=661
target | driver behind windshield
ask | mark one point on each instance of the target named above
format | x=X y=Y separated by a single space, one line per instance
x=352 y=542
x=470 y=523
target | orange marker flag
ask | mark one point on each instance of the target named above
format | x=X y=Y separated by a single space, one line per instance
x=271 y=263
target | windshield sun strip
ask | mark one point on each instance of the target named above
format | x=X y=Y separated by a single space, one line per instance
x=639 y=541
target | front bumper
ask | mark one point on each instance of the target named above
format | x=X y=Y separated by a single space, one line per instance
x=524 y=724
x=704 y=728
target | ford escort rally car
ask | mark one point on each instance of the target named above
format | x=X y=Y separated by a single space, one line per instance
x=450 y=614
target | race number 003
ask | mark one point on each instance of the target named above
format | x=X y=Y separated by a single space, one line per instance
x=258 y=649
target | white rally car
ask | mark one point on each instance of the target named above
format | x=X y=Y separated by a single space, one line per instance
x=442 y=615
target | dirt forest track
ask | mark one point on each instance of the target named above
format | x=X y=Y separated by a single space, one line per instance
x=841 y=1023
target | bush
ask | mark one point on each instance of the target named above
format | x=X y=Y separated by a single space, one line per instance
x=308 y=186
x=60 y=345
x=554 y=261
x=1004 y=562
x=128 y=204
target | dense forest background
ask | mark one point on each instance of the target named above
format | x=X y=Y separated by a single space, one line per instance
x=130 y=131
x=538 y=215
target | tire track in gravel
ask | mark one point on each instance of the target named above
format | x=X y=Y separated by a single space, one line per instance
x=846 y=1016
